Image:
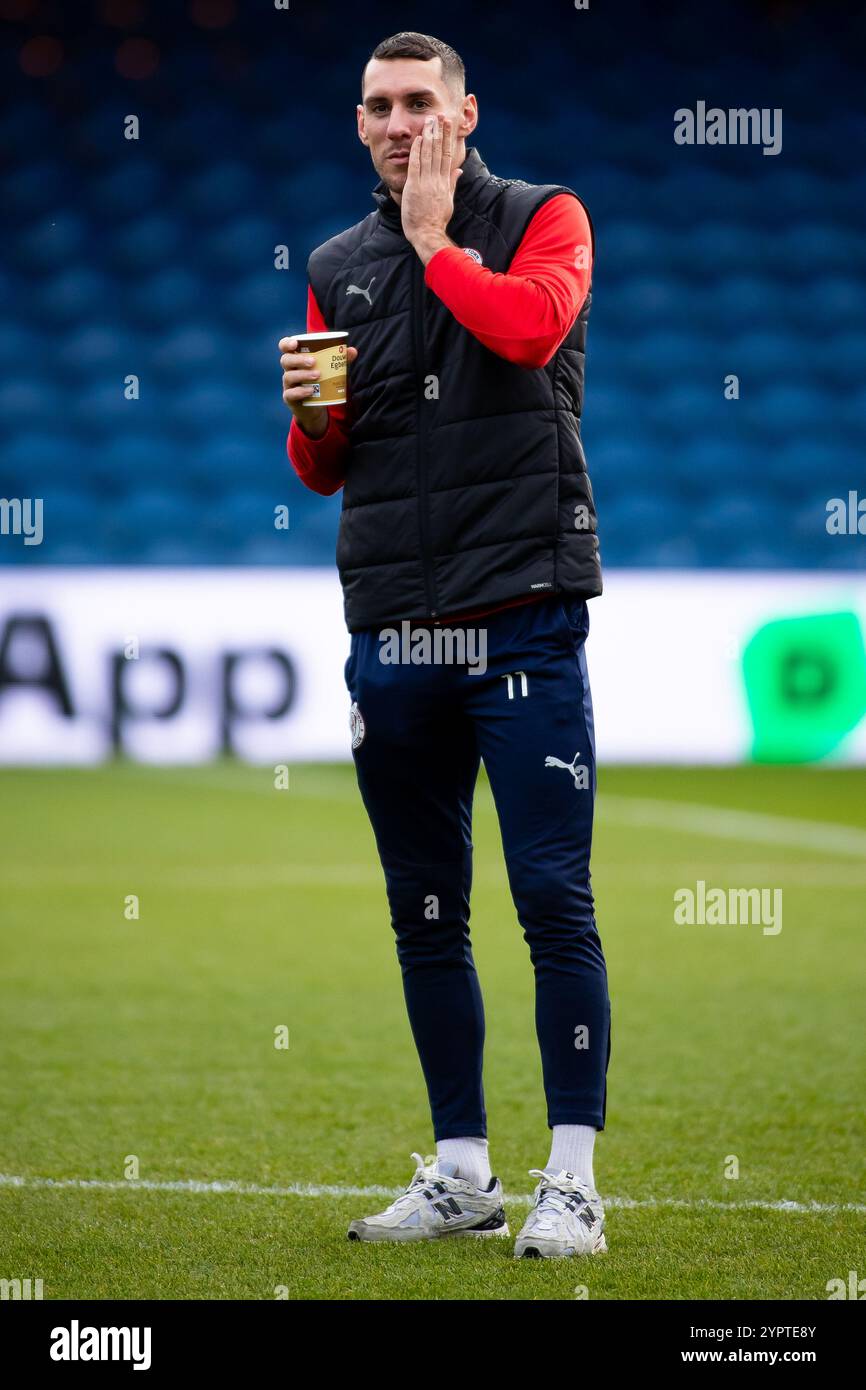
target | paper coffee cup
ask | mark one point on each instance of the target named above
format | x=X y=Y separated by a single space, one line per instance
x=331 y=353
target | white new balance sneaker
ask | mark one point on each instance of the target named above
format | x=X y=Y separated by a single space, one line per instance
x=567 y=1219
x=437 y=1203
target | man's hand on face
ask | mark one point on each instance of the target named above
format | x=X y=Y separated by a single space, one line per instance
x=427 y=202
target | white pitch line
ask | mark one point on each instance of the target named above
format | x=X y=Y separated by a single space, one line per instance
x=688 y=817
x=728 y=823
x=301 y=1189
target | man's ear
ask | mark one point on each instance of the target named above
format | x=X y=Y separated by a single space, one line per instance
x=469 y=116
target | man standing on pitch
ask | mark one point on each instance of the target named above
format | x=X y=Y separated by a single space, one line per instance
x=466 y=502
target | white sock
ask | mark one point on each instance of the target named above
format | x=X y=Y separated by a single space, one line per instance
x=571 y=1149
x=469 y=1155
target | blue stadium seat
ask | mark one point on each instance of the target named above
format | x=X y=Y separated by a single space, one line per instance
x=23 y=401
x=196 y=128
x=69 y=522
x=218 y=191
x=129 y=528
x=219 y=402
x=240 y=242
x=94 y=348
x=145 y=242
x=39 y=457
x=130 y=187
x=71 y=296
x=187 y=352
x=262 y=298
x=765 y=355
x=130 y=458
x=166 y=296
x=57 y=238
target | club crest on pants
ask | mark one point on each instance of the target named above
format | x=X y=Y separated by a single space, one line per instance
x=356 y=725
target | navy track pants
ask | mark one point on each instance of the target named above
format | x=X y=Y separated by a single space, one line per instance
x=420 y=731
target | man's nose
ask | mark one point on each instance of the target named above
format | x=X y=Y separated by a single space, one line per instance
x=399 y=124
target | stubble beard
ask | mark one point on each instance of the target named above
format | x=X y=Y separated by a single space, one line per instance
x=393 y=179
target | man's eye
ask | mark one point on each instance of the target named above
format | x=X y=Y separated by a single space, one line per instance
x=377 y=110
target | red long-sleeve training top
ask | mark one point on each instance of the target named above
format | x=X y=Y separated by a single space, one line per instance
x=522 y=315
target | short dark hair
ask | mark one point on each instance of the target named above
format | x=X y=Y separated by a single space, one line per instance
x=411 y=45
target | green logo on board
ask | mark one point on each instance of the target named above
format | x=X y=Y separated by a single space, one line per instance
x=806 y=686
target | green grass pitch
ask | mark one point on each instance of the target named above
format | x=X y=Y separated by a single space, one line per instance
x=154 y=1038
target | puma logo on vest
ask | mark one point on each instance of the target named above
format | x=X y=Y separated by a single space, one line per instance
x=354 y=289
